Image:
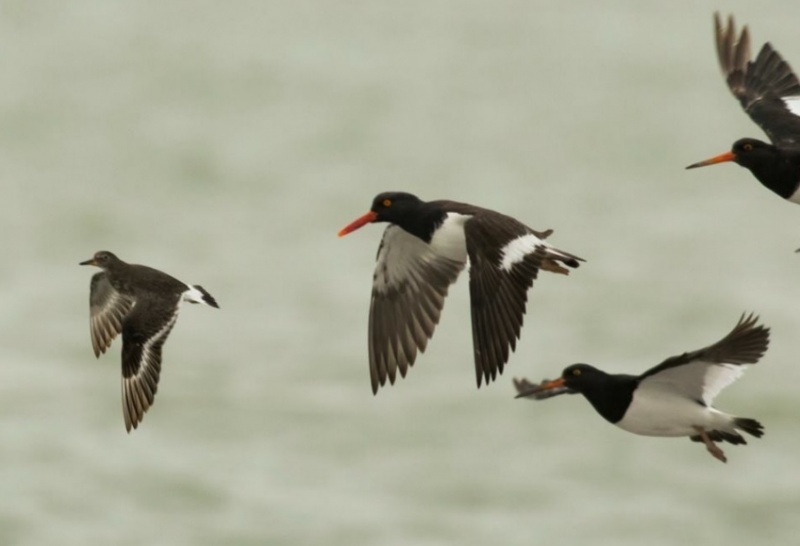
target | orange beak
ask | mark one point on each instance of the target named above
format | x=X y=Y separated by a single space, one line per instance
x=721 y=158
x=543 y=390
x=361 y=221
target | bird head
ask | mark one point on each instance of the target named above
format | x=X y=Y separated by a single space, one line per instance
x=747 y=152
x=386 y=207
x=101 y=259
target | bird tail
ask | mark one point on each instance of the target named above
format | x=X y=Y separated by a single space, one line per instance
x=554 y=256
x=198 y=294
x=750 y=426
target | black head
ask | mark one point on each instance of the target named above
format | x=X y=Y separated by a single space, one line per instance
x=747 y=152
x=102 y=259
x=582 y=377
x=575 y=378
x=774 y=167
x=393 y=206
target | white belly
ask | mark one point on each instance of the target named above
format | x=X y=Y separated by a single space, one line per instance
x=658 y=413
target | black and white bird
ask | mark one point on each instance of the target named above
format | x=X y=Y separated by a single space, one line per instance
x=422 y=252
x=142 y=303
x=674 y=398
x=769 y=92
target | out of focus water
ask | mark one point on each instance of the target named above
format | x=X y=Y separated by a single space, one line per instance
x=226 y=143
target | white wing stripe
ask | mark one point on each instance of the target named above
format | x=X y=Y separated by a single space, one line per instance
x=792 y=104
x=136 y=391
x=516 y=250
x=449 y=240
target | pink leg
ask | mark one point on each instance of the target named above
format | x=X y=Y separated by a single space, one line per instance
x=712 y=448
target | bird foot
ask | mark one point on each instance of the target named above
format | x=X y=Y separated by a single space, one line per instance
x=712 y=448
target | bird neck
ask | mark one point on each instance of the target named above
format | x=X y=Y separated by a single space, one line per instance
x=779 y=173
x=610 y=395
x=423 y=222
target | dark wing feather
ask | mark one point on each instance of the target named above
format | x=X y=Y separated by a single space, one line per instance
x=409 y=288
x=498 y=294
x=107 y=311
x=143 y=335
x=702 y=374
x=760 y=85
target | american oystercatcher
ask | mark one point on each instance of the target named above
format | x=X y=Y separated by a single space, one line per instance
x=674 y=398
x=423 y=250
x=770 y=93
x=142 y=303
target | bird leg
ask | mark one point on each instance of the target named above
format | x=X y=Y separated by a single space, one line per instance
x=712 y=448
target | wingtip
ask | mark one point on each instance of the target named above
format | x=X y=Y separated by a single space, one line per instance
x=749 y=320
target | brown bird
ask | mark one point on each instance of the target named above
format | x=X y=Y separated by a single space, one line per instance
x=142 y=303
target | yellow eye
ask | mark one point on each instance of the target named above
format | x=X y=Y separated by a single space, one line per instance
x=747 y=147
x=387 y=202
x=576 y=372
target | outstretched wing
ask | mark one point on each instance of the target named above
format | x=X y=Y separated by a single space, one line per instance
x=767 y=88
x=505 y=258
x=107 y=310
x=409 y=287
x=701 y=375
x=143 y=335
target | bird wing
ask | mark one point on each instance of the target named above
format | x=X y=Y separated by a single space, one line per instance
x=701 y=375
x=144 y=332
x=767 y=88
x=505 y=257
x=409 y=288
x=107 y=311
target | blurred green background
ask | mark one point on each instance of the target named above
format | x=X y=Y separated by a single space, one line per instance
x=226 y=143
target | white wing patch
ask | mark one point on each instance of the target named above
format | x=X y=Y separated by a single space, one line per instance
x=516 y=250
x=792 y=104
x=193 y=295
x=449 y=240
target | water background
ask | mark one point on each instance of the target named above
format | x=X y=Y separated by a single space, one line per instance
x=226 y=143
